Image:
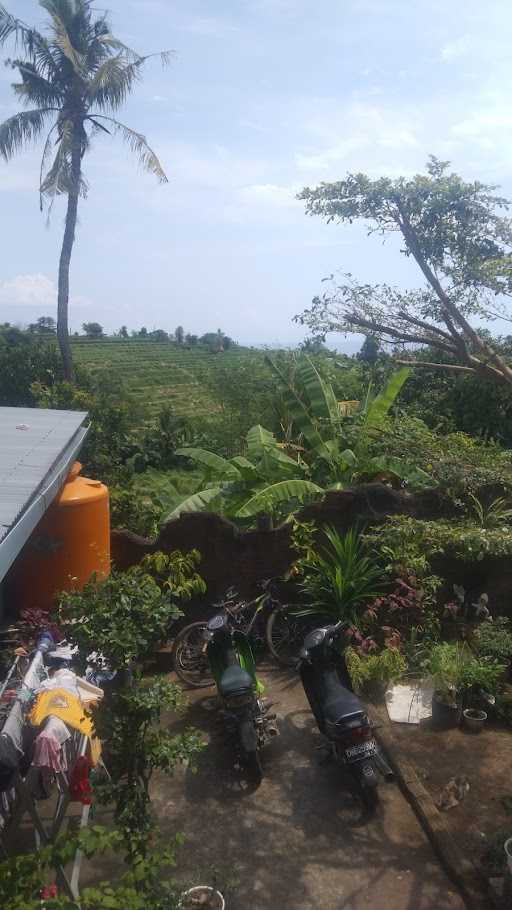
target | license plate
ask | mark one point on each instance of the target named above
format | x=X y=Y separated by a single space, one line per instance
x=362 y=750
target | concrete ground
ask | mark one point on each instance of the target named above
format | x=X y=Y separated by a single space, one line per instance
x=300 y=841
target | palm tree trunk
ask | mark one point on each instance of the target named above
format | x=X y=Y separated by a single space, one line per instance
x=65 y=258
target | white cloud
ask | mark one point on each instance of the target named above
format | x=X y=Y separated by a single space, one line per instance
x=34 y=292
x=270 y=194
x=28 y=291
x=460 y=47
x=366 y=130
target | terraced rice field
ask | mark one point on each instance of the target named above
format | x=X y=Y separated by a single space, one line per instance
x=158 y=373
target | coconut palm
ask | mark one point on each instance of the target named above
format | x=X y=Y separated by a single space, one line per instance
x=74 y=78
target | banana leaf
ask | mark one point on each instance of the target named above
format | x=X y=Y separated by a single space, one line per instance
x=267 y=499
x=217 y=466
x=198 y=502
x=378 y=409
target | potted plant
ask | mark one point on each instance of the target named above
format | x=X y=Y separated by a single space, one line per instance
x=202 y=897
x=474 y=719
x=446 y=667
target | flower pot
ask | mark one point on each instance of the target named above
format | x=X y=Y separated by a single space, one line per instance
x=474 y=720
x=445 y=715
x=202 y=897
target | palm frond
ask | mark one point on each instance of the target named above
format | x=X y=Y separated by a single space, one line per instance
x=113 y=82
x=20 y=130
x=62 y=14
x=138 y=145
x=35 y=88
x=59 y=179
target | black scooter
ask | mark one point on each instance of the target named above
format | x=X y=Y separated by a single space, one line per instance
x=339 y=713
x=246 y=715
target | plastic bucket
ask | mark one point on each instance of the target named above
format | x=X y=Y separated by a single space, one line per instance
x=216 y=900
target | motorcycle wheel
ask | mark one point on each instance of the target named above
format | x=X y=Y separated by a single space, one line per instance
x=253 y=766
x=285 y=632
x=368 y=781
x=189 y=657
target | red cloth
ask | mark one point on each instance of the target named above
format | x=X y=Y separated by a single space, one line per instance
x=80 y=789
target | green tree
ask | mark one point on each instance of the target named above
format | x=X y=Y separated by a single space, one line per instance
x=93 y=329
x=45 y=325
x=370 y=350
x=75 y=79
x=179 y=335
x=462 y=243
x=123 y=332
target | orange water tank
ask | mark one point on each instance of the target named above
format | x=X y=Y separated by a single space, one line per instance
x=70 y=543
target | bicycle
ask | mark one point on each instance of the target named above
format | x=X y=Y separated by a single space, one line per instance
x=265 y=619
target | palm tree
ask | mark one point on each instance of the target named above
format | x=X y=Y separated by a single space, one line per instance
x=72 y=81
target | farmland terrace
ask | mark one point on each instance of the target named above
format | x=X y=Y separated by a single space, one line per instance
x=157 y=373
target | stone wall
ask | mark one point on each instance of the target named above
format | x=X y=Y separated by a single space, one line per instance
x=243 y=558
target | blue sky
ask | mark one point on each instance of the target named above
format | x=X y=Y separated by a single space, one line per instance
x=262 y=97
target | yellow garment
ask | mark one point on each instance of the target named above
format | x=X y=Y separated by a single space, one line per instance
x=61 y=703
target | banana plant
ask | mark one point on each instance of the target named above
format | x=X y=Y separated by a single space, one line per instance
x=321 y=423
x=265 y=481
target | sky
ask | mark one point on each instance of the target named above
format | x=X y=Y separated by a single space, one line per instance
x=261 y=98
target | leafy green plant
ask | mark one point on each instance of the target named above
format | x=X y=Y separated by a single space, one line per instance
x=455 y=670
x=493 y=514
x=371 y=671
x=145 y=883
x=264 y=481
x=129 y=725
x=339 y=577
x=494 y=639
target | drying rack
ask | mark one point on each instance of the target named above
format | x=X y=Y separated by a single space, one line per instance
x=21 y=789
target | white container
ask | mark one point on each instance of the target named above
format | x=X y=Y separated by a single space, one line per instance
x=217 y=901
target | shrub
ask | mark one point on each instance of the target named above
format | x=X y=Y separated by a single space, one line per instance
x=494 y=639
x=368 y=671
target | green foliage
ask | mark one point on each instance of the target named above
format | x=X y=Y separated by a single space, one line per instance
x=494 y=639
x=145 y=883
x=460 y=240
x=455 y=669
x=22 y=363
x=423 y=540
x=242 y=488
x=124 y=616
x=338 y=577
x=129 y=724
x=492 y=515
x=368 y=671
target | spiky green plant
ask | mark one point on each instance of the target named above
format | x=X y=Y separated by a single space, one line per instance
x=73 y=80
x=340 y=577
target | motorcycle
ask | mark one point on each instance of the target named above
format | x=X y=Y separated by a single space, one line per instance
x=339 y=713
x=246 y=715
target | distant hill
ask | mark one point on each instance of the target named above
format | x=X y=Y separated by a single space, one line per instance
x=157 y=373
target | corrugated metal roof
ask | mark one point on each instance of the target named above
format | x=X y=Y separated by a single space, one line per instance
x=32 y=442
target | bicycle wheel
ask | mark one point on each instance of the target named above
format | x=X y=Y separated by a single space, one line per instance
x=190 y=658
x=285 y=634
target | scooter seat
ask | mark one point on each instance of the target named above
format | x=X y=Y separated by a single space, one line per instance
x=235 y=679
x=341 y=704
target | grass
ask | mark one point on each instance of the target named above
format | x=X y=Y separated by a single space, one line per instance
x=158 y=373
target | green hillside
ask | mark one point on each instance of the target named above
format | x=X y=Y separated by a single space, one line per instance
x=158 y=373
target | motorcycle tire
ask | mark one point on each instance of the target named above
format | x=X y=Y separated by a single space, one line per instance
x=253 y=766
x=285 y=633
x=368 y=784
x=189 y=657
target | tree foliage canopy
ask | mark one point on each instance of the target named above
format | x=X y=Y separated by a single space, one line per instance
x=460 y=236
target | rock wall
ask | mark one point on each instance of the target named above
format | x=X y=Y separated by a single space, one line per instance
x=231 y=556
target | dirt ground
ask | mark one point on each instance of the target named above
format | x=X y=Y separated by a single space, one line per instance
x=484 y=759
x=299 y=841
